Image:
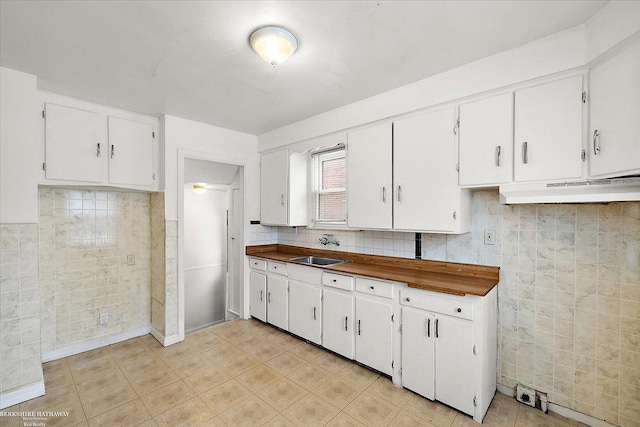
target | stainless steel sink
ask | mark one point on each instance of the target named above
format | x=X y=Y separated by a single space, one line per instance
x=318 y=260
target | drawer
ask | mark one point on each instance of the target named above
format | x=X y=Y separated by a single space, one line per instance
x=337 y=281
x=258 y=264
x=374 y=287
x=429 y=301
x=277 y=267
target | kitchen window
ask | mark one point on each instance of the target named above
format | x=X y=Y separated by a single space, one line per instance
x=330 y=195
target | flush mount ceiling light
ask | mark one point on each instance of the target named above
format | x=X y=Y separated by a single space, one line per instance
x=273 y=44
x=199 y=188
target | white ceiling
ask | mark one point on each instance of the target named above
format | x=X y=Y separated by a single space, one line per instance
x=192 y=59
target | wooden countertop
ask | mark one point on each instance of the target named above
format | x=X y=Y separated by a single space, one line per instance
x=438 y=276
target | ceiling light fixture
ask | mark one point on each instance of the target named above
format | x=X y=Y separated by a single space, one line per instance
x=199 y=188
x=273 y=44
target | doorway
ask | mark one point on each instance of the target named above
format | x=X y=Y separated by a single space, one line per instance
x=213 y=243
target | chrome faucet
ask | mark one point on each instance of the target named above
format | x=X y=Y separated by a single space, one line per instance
x=328 y=239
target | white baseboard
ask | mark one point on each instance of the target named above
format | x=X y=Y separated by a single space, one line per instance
x=166 y=341
x=561 y=410
x=22 y=394
x=93 y=344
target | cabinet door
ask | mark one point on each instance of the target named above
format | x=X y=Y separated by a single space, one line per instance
x=258 y=295
x=369 y=187
x=614 y=140
x=277 y=301
x=337 y=323
x=130 y=152
x=548 y=131
x=418 y=352
x=75 y=144
x=305 y=311
x=374 y=334
x=424 y=170
x=454 y=363
x=273 y=187
x=486 y=141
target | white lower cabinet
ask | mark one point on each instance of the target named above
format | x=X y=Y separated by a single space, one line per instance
x=337 y=322
x=277 y=299
x=418 y=352
x=305 y=311
x=257 y=295
x=374 y=334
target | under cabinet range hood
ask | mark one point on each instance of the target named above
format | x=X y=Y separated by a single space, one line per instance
x=590 y=191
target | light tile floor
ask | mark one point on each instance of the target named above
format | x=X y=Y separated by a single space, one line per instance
x=241 y=373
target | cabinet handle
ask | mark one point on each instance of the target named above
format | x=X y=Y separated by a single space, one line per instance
x=498 y=155
x=98 y=151
x=269 y=297
x=596 y=149
x=407 y=299
x=459 y=310
x=525 y=153
x=358 y=327
x=436 y=328
x=371 y=287
x=384 y=194
x=429 y=327
x=335 y=280
x=113 y=150
x=282 y=199
x=346 y=320
x=399 y=193
x=314 y=313
x=260 y=295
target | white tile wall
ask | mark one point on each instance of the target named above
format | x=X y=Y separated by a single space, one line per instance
x=85 y=237
x=569 y=294
x=20 y=363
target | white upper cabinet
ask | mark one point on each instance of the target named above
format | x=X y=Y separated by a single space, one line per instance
x=369 y=187
x=75 y=144
x=548 y=131
x=486 y=141
x=283 y=188
x=426 y=192
x=614 y=140
x=92 y=148
x=130 y=152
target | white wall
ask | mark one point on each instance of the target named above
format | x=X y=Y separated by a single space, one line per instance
x=18 y=173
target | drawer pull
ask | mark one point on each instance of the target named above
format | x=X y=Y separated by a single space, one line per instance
x=459 y=310
x=407 y=299
x=335 y=280
x=275 y=267
x=371 y=287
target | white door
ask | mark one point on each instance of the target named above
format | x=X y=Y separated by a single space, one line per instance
x=369 y=187
x=548 y=131
x=418 y=352
x=75 y=144
x=277 y=301
x=130 y=152
x=374 y=335
x=337 y=323
x=614 y=140
x=486 y=141
x=305 y=311
x=454 y=363
x=273 y=187
x=258 y=295
x=424 y=171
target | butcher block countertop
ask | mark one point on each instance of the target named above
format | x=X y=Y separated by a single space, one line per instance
x=437 y=276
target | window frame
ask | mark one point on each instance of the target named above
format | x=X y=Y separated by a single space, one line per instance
x=317 y=158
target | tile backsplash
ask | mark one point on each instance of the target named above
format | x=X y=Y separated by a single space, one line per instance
x=20 y=363
x=85 y=239
x=568 y=298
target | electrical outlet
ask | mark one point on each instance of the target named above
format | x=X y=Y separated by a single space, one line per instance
x=104 y=318
x=131 y=259
x=489 y=237
x=526 y=395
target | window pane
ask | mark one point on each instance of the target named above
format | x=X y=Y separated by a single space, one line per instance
x=332 y=207
x=333 y=173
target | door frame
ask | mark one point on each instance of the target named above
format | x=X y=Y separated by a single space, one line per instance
x=184 y=154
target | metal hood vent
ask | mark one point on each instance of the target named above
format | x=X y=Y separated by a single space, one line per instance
x=590 y=191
